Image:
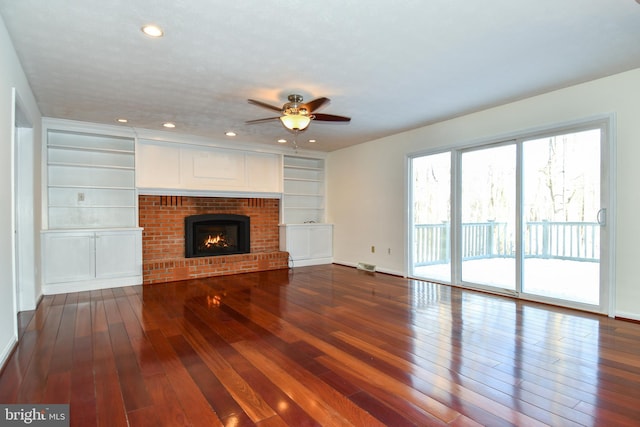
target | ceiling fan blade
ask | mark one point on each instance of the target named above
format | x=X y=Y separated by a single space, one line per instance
x=331 y=118
x=268 y=119
x=264 y=105
x=316 y=103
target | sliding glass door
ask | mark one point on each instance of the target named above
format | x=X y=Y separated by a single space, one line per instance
x=561 y=204
x=431 y=207
x=488 y=216
x=523 y=217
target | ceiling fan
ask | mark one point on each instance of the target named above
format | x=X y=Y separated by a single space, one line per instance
x=296 y=115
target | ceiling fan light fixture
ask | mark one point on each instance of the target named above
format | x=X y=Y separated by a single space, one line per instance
x=295 y=121
x=152 y=30
x=296 y=115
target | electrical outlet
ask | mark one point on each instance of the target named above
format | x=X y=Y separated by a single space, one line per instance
x=389 y=251
x=373 y=249
x=81 y=197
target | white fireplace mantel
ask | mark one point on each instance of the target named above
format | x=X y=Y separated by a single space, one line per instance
x=145 y=191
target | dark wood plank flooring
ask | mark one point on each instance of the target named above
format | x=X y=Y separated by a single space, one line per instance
x=322 y=346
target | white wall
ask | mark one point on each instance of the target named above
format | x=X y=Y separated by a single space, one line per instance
x=12 y=76
x=366 y=183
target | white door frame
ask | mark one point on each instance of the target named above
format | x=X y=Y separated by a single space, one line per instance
x=23 y=222
x=608 y=193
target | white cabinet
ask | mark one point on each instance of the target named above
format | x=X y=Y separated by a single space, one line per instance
x=91 y=259
x=157 y=165
x=307 y=244
x=178 y=168
x=68 y=257
x=303 y=196
x=118 y=253
x=91 y=238
x=90 y=180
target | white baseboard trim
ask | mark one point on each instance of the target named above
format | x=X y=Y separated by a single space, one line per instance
x=378 y=269
x=308 y=262
x=626 y=315
x=391 y=272
x=90 y=285
x=6 y=351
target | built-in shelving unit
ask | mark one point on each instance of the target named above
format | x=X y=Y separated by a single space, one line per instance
x=303 y=197
x=304 y=233
x=91 y=239
x=90 y=181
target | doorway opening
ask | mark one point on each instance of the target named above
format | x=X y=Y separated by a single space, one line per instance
x=23 y=209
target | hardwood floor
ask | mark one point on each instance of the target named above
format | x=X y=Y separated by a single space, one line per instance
x=323 y=345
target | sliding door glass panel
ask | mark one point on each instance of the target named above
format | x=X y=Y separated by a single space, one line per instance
x=431 y=190
x=488 y=217
x=561 y=193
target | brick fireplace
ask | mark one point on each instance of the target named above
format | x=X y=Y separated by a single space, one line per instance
x=163 y=237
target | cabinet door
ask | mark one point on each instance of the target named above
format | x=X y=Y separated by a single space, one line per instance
x=309 y=241
x=157 y=166
x=206 y=169
x=118 y=254
x=264 y=172
x=68 y=257
x=298 y=242
x=321 y=241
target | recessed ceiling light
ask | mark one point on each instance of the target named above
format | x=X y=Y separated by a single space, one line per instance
x=312 y=140
x=282 y=141
x=122 y=120
x=230 y=133
x=152 y=30
x=169 y=125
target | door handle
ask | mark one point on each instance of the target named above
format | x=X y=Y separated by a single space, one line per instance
x=601 y=217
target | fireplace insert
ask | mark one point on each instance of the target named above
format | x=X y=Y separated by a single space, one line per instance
x=216 y=234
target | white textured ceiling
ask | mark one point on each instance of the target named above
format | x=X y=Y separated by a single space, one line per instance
x=390 y=65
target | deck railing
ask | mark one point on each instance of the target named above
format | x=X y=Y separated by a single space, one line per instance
x=576 y=241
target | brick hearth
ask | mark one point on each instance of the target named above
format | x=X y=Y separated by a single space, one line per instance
x=162 y=218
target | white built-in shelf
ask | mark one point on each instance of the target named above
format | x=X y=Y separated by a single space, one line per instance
x=90 y=149
x=87 y=165
x=91 y=239
x=303 y=190
x=97 y=187
x=95 y=206
x=303 y=194
x=303 y=179
x=90 y=180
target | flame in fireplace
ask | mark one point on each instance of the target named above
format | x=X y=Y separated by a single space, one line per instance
x=212 y=241
x=217 y=241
